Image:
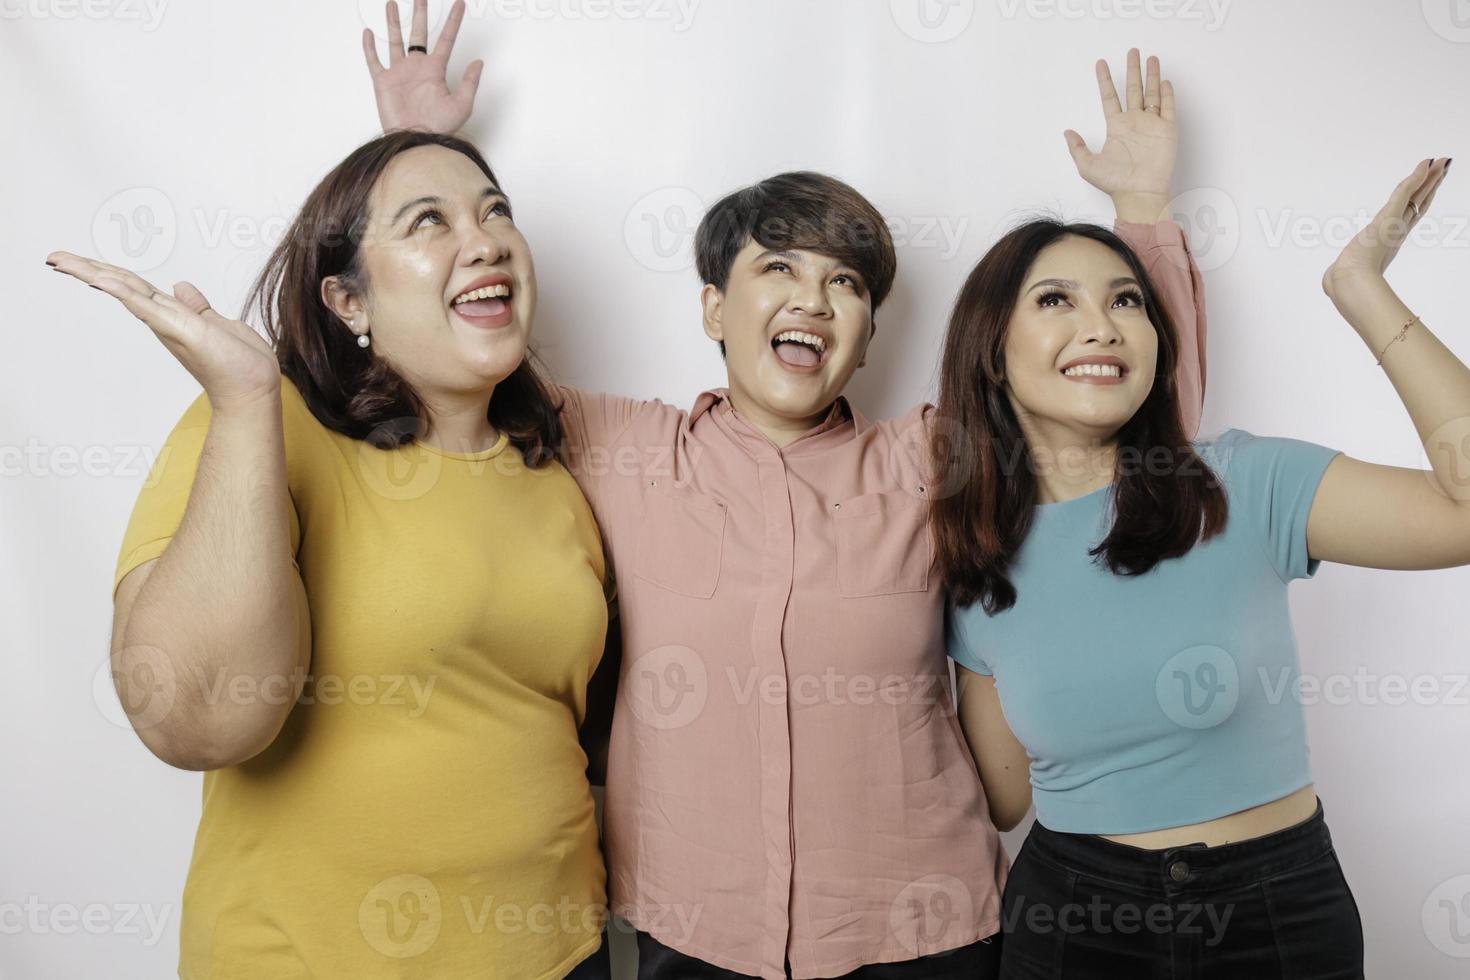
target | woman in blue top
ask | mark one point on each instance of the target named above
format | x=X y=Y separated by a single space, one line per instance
x=1122 y=593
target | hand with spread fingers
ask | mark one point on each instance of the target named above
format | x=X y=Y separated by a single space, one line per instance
x=1359 y=267
x=1136 y=163
x=234 y=364
x=413 y=91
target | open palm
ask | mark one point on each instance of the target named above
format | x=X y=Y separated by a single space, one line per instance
x=1368 y=255
x=1137 y=156
x=413 y=91
x=232 y=363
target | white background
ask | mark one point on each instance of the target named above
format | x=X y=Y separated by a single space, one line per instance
x=209 y=123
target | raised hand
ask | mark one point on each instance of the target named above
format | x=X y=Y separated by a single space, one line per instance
x=413 y=91
x=1363 y=260
x=232 y=362
x=1136 y=163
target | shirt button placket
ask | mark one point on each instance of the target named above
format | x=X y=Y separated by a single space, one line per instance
x=777 y=563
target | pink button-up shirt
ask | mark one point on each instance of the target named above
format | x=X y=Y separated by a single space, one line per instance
x=787 y=778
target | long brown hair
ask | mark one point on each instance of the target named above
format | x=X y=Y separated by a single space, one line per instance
x=980 y=450
x=348 y=388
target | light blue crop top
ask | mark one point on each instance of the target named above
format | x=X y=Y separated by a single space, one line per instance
x=1168 y=698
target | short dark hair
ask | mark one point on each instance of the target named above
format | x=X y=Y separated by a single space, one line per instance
x=798 y=210
x=347 y=388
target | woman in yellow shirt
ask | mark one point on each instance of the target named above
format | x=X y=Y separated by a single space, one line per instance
x=361 y=594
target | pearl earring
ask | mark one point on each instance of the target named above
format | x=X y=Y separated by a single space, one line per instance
x=362 y=340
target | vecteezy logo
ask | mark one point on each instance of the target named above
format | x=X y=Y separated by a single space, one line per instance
x=667 y=687
x=1212 y=222
x=400 y=916
x=1198 y=687
x=1446 y=917
x=926 y=911
x=1446 y=450
x=397 y=475
x=1450 y=19
x=659 y=229
x=135 y=229
x=932 y=21
x=139 y=694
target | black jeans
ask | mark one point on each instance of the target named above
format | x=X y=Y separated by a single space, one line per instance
x=598 y=966
x=1276 y=907
x=977 y=961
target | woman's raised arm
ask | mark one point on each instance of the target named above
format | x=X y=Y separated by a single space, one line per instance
x=1390 y=516
x=222 y=610
x=1135 y=167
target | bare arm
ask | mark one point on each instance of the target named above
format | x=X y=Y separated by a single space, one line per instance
x=1389 y=516
x=211 y=640
x=1005 y=769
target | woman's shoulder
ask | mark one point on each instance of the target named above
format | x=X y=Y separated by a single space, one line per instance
x=300 y=423
x=294 y=408
x=1258 y=465
x=1226 y=450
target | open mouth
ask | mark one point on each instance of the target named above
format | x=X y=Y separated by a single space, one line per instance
x=487 y=306
x=800 y=350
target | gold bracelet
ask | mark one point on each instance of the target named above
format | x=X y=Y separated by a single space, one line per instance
x=1403 y=330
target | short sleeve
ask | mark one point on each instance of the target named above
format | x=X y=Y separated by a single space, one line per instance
x=1272 y=482
x=160 y=506
x=957 y=642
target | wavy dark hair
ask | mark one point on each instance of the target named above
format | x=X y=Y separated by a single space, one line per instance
x=979 y=449
x=348 y=388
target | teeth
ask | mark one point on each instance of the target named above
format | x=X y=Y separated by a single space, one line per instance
x=802 y=338
x=1094 y=370
x=485 y=292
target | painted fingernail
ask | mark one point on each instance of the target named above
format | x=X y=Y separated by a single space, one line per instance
x=50 y=263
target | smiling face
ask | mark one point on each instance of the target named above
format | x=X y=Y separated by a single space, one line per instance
x=440 y=233
x=1080 y=350
x=795 y=325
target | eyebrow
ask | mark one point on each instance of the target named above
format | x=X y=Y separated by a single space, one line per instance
x=1071 y=284
x=489 y=191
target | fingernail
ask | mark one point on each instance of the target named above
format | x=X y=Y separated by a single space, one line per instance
x=50 y=263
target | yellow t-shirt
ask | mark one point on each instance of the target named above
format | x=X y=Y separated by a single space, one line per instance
x=425 y=810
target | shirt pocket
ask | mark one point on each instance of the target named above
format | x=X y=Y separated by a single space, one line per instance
x=883 y=544
x=681 y=542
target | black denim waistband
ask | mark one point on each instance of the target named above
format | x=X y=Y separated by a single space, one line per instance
x=1188 y=868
